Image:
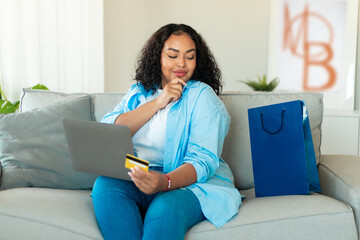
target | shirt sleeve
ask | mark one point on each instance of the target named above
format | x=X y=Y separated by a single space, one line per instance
x=121 y=108
x=209 y=126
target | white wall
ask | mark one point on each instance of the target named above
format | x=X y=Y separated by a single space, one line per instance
x=357 y=72
x=237 y=31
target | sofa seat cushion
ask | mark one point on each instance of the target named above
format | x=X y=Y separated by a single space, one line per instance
x=284 y=217
x=43 y=213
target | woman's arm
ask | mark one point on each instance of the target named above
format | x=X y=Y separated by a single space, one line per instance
x=137 y=118
x=210 y=123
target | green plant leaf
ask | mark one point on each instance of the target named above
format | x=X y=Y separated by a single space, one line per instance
x=7 y=107
x=40 y=87
x=262 y=80
x=1 y=93
x=16 y=104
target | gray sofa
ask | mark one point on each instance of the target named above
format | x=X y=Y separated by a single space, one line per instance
x=41 y=197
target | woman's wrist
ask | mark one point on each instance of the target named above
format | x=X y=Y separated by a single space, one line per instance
x=157 y=104
x=167 y=185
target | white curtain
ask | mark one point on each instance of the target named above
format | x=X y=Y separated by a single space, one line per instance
x=58 y=43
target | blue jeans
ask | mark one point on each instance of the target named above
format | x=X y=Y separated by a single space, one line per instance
x=124 y=212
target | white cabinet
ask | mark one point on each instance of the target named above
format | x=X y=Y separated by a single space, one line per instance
x=340 y=133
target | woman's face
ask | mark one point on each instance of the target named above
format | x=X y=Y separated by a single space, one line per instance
x=178 y=58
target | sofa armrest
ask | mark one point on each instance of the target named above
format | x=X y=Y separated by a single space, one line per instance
x=340 y=178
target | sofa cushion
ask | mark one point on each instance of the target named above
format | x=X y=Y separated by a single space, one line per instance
x=33 y=148
x=33 y=98
x=237 y=151
x=284 y=217
x=37 y=213
x=42 y=213
x=104 y=103
x=340 y=179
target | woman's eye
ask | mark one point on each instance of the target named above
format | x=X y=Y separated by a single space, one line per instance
x=191 y=58
x=170 y=56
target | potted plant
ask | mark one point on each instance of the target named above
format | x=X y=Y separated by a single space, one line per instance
x=8 y=107
x=261 y=84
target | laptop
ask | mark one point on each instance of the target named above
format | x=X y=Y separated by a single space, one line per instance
x=99 y=148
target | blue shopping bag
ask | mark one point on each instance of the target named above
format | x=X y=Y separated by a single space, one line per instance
x=282 y=150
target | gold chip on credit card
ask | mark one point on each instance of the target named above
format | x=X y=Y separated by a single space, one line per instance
x=132 y=161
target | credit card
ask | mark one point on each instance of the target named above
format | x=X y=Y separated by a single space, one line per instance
x=132 y=161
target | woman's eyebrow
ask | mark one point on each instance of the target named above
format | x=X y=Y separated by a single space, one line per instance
x=176 y=50
x=173 y=49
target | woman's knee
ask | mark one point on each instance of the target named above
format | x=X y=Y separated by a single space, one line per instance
x=171 y=214
x=101 y=184
x=177 y=207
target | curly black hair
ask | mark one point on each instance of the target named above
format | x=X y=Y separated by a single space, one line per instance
x=148 y=72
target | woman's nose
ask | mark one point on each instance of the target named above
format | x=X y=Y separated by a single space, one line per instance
x=181 y=62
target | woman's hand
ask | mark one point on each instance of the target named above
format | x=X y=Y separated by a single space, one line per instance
x=171 y=92
x=148 y=182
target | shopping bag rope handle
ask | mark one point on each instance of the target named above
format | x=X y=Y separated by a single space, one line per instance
x=274 y=132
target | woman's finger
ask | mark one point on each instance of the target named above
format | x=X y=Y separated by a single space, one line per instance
x=178 y=80
x=172 y=86
x=175 y=94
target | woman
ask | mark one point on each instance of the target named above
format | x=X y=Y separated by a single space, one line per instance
x=179 y=125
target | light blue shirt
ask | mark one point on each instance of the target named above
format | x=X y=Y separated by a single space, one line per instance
x=197 y=125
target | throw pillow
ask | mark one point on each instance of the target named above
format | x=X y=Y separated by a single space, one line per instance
x=32 y=98
x=33 y=148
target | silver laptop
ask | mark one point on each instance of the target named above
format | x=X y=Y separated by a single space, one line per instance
x=98 y=148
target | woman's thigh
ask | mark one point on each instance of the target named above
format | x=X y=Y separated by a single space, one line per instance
x=171 y=214
x=118 y=206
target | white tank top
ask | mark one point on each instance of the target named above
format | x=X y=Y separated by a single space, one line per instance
x=149 y=140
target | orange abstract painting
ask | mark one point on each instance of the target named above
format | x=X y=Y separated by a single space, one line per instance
x=312 y=45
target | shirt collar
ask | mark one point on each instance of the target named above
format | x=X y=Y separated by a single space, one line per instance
x=142 y=90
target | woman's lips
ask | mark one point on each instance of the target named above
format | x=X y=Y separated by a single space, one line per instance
x=180 y=74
